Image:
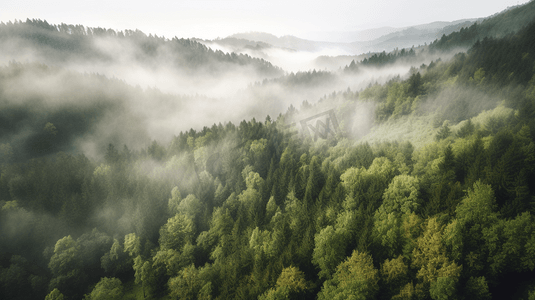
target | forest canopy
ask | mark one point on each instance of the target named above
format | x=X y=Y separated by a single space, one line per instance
x=420 y=187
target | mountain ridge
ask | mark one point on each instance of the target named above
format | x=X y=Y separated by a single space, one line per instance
x=405 y=37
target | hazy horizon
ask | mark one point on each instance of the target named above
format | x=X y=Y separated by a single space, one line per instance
x=210 y=19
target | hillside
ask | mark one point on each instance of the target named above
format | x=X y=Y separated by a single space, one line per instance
x=352 y=44
x=498 y=26
x=405 y=175
x=462 y=33
x=130 y=55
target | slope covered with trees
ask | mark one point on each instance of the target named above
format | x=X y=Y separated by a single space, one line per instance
x=498 y=26
x=254 y=211
x=70 y=44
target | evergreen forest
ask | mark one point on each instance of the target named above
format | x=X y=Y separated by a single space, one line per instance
x=416 y=185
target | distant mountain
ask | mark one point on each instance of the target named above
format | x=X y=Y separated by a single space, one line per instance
x=358 y=42
x=345 y=36
x=387 y=39
x=383 y=33
x=357 y=45
x=291 y=42
x=413 y=36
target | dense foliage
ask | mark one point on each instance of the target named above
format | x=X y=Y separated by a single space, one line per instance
x=253 y=211
x=501 y=25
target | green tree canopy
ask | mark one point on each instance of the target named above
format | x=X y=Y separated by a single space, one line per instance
x=355 y=278
x=107 y=288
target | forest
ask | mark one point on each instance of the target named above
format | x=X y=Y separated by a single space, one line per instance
x=419 y=185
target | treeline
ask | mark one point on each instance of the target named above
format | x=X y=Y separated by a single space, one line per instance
x=301 y=78
x=383 y=59
x=503 y=66
x=499 y=26
x=58 y=44
x=503 y=26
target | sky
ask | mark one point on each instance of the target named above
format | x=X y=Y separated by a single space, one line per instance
x=210 y=19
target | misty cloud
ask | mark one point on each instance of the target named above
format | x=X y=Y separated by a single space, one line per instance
x=102 y=87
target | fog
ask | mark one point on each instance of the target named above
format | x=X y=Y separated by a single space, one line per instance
x=160 y=72
x=290 y=60
x=129 y=88
x=121 y=105
x=451 y=105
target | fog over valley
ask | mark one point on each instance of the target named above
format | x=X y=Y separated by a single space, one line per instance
x=290 y=150
x=139 y=88
x=151 y=88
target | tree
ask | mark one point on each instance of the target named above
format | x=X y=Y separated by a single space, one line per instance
x=477 y=288
x=387 y=231
x=329 y=251
x=292 y=278
x=466 y=129
x=75 y=263
x=367 y=186
x=15 y=279
x=252 y=206
x=260 y=156
x=170 y=261
x=132 y=245
x=479 y=77
x=429 y=256
x=55 y=294
x=186 y=285
x=400 y=200
x=415 y=82
x=443 y=132
x=116 y=260
x=478 y=206
x=402 y=194
x=510 y=244
x=174 y=201
x=271 y=209
x=156 y=151
x=144 y=275
x=443 y=288
x=395 y=275
x=65 y=257
x=176 y=232
x=314 y=182
x=50 y=129
x=190 y=207
x=112 y=155
x=465 y=234
x=106 y=288
x=355 y=278
x=291 y=284
x=206 y=292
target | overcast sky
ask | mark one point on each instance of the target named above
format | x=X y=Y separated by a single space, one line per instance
x=209 y=19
